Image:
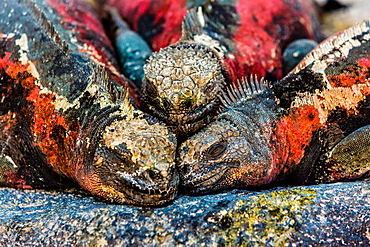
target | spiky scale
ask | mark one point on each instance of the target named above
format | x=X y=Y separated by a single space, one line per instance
x=65 y=109
x=247 y=37
x=310 y=127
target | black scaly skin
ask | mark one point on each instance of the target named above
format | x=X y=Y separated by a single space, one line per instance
x=182 y=81
x=312 y=126
x=66 y=114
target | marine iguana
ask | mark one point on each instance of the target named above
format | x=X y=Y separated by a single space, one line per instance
x=310 y=127
x=220 y=42
x=66 y=114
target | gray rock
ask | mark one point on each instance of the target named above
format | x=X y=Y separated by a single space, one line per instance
x=327 y=215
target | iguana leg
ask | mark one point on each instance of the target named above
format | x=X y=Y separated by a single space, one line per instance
x=132 y=50
x=350 y=158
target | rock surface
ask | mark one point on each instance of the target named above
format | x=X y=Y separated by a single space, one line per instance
x=326 y=215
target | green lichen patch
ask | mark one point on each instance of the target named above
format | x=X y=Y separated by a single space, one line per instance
x=267 y=219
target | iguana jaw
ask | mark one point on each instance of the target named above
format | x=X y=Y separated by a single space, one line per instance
x=131 y=158
x=227 y=176
x=130 y=191
x=224 y=156
x=116 y=178
x=208 y=180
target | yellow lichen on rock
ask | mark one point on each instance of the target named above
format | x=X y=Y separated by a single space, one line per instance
x=266 y=218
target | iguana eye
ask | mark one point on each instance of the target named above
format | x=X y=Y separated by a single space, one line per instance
x=165 y=103
x=216 y=150
x=188 y=102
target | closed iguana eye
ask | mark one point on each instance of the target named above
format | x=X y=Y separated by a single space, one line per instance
x=188 y=102
x=216 y=150
x=166 y=103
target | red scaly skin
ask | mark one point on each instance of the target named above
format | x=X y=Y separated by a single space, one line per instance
x=245 y=37
x=294 y=133
x=256 y=41
x=159 y=22
x=87 y=25
x=84 y=20
x=353 y=76
x=267 y=27
x=65 y=113
x=44 y=118
x=9 y=119
x=312 y=126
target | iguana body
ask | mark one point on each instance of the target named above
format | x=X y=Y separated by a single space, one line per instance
x=310 y=127
x=65 y=114
x=219 y=43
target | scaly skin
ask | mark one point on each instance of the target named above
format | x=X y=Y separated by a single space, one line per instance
x=310 y=127
x=66 y=114
x=247 y=37
x=182 y=90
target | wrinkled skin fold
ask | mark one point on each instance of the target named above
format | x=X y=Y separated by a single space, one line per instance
x=310 y=127
x=67 y=115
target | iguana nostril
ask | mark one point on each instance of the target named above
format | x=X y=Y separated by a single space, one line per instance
x=162 y=168
x=156 y=175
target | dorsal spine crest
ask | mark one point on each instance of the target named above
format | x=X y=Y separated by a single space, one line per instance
x=333 y=44
x=45 y=24
x=193 y=24
x=241 y=91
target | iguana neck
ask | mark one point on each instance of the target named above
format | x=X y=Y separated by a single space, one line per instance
x=256 y=119
x=280 y=136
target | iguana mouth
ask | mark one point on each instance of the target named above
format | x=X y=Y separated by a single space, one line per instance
x=150 y=196
x=139 y=185
x=185 y=116
x=134 y=190
x=206 y=181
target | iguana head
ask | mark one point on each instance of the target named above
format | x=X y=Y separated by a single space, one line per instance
x=133 y=162
x=182 y=83
x=125 y=155
x=234 y=150
x=221 y=156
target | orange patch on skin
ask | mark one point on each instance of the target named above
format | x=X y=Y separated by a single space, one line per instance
x=11 y=68
x=58 y=152
x=355 y=75
x=45 y=118
x=293 y=134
